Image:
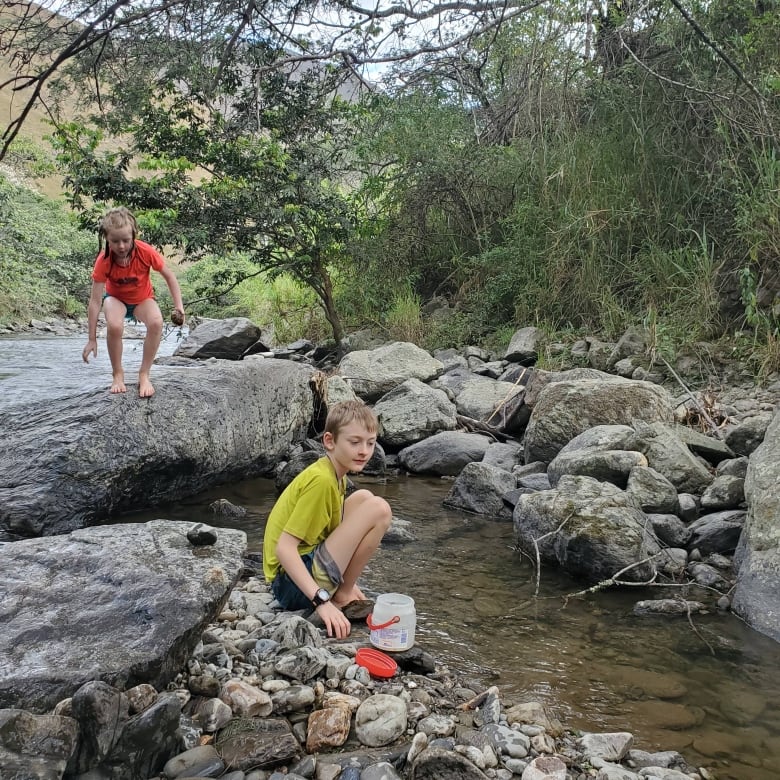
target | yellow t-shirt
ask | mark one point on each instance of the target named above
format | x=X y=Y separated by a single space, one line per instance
x=310 y=508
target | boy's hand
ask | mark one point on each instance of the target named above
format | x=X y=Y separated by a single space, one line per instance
x=336 y=624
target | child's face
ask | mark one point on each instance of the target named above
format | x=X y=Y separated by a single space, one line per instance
x=120 y=241
x=351 y=448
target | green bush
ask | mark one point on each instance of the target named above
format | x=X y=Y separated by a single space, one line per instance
x=45 y=258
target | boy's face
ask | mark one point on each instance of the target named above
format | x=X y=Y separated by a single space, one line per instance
x=351 y=448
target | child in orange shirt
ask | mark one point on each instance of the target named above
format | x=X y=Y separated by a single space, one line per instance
x=122 y=285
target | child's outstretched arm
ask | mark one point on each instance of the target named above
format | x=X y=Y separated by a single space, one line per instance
x=93 y=310
x=175 y=290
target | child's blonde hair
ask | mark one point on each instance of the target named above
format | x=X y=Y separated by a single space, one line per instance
x=344 y=412
x=115 y=219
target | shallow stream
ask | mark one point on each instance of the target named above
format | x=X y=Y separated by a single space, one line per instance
x=710 y=688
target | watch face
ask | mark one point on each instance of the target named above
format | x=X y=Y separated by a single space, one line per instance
x=323 y=595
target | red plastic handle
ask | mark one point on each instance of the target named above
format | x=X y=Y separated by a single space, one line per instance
x=376 y=627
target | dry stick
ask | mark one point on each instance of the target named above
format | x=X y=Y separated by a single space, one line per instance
x=692 y=397
x=507 y=397
x=536 y=550
x=614 y=580
x=696 y=630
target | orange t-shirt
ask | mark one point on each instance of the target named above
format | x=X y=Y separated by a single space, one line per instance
x=132 y=283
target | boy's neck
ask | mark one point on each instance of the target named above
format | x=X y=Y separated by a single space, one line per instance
x=339 y=474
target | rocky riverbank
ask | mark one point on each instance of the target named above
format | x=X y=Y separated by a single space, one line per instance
x=265 y=696
x=519 y=443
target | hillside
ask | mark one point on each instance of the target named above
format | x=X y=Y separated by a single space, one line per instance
x=36 y=128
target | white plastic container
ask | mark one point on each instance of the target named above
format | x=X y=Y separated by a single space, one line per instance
x=393 y=621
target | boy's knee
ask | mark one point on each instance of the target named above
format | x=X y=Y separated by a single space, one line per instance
x=383 y=511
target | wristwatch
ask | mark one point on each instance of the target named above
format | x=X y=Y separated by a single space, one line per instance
x=320 y=597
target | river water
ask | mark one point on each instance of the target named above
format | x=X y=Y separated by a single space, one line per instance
x=710 y=688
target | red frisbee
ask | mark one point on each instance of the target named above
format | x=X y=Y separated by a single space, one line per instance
x=378 y=663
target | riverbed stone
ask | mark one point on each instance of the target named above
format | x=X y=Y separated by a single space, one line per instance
x=757 y=592
x=328 y=727
x=507 y=741
x=605 y=465
x=479 y=489
x=110 y=453
x=545 y=768
x=434 y=763
x=669 y=455
x=523 y=347
x=724 y=492
x=609 y=771
x=539 y=379
x=35 y=747
x=203 y=759
x=227 y=339
x=611 y=746
x=566 y=409
x=484 y=400
x=717 y=531
x=102 y=712
x=380 y=720
x=444 y=453
x=245 y=699
x=122 y=603
x=653 y=491
x=591 y=529
x=745 y=437
x=373 y=372
x=146 y=741
x=252 y=743
x=668 y=607
x=413 y=411
x=504 y=455
x=534 y=712
x=670 y=529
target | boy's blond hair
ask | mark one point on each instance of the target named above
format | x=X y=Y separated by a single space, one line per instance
x=344 y=412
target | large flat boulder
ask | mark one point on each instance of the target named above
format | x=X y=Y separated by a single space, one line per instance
x=757 y=595
x=67 y=463
x=567 y=408
x=124 y=604
x=373 y=372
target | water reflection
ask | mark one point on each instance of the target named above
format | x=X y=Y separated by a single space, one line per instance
x=709 y=689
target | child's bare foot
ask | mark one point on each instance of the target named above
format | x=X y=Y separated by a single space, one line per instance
x=118 y=383
x=145 y=387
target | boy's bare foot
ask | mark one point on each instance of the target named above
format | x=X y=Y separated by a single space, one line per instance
x=145 y=387
x=118 y=383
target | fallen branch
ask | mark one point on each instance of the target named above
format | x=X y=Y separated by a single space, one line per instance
x=693 y=398
x=538 y=556
x=509 y=395
x=615 y=580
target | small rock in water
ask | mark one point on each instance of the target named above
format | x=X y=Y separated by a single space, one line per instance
x=200 y=535
x=224 y=508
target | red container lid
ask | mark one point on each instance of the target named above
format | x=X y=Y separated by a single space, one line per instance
x=378 y=663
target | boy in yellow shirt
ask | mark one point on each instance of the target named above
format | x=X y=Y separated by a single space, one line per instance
x=317 y=542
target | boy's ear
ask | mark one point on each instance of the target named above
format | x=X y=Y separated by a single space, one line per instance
x=328 y=440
